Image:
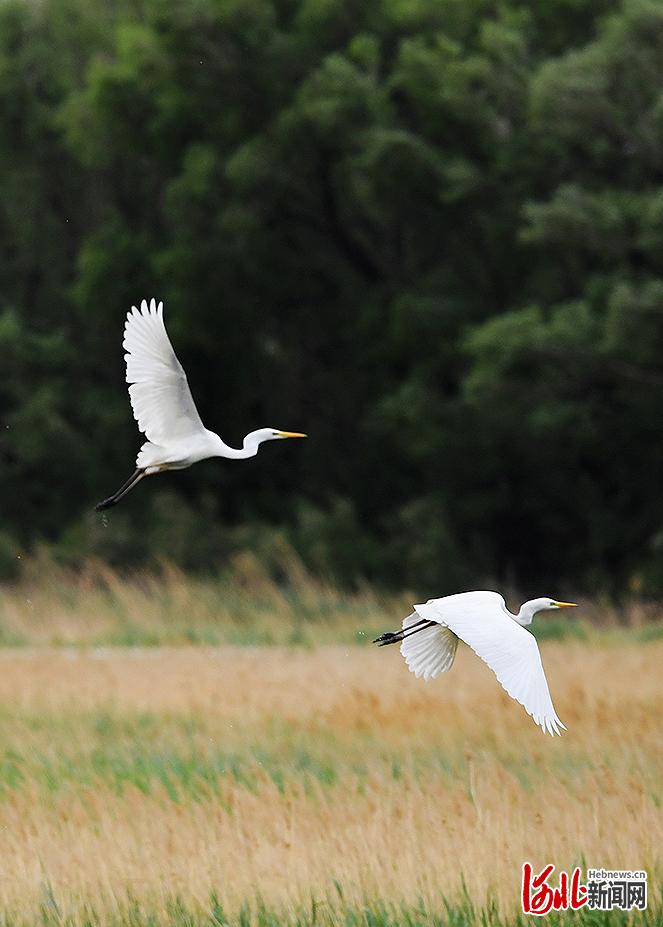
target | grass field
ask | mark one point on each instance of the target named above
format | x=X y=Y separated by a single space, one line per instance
x=244 y=605
x=308 y=783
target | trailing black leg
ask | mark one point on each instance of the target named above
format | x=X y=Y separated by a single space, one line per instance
x=395 y=637
x=135 y=478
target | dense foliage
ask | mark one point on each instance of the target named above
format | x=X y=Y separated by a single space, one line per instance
x=427 y=232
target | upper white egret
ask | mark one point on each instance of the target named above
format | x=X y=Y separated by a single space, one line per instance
x=430 y=637
x=164 y=408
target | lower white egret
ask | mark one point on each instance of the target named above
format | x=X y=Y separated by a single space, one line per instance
x=164 y=408
x=430 y=635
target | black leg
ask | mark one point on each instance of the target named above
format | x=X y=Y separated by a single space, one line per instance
x=394 y=637
x=136 y=477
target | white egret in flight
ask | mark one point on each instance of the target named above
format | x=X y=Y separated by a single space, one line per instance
x=430 y=635
x=164 y=408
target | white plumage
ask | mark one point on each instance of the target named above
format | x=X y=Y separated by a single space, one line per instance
x=431 y=651
x=481 y=619
x=159 y=392
x=164 y=408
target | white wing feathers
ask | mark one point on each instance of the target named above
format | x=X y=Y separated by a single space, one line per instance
x=160 y=397
x=428 y=652
x=505 y=646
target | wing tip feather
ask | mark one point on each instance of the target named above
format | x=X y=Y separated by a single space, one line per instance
x=146 y=309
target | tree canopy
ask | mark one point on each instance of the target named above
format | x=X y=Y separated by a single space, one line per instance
x=427 y=232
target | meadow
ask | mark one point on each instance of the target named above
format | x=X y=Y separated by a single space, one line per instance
x=231 y=752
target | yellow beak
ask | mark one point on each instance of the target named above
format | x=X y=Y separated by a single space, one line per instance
x=291 y=434
x=565 y=604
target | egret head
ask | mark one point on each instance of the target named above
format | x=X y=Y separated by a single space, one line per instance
x=274 y=434
x=544 y=604
x=270 y=434
x=551 y=604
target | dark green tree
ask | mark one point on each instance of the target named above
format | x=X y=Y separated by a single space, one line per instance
x=429 y=234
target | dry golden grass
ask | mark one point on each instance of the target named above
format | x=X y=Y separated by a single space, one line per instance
x=278 y=771
x=242 y=605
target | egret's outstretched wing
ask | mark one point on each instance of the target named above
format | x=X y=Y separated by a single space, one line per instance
x=160 y=396
x=430 y=651
x=480 y=619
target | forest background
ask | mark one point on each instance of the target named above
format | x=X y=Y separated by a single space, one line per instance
x=427 y=232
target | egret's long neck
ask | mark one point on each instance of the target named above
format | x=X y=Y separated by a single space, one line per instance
x=249 y=448
x=525 y=614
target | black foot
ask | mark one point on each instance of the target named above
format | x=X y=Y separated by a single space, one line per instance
x=106 y=504
x=389 y=637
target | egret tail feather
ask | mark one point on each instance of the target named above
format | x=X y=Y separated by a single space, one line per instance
x=133 y=480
